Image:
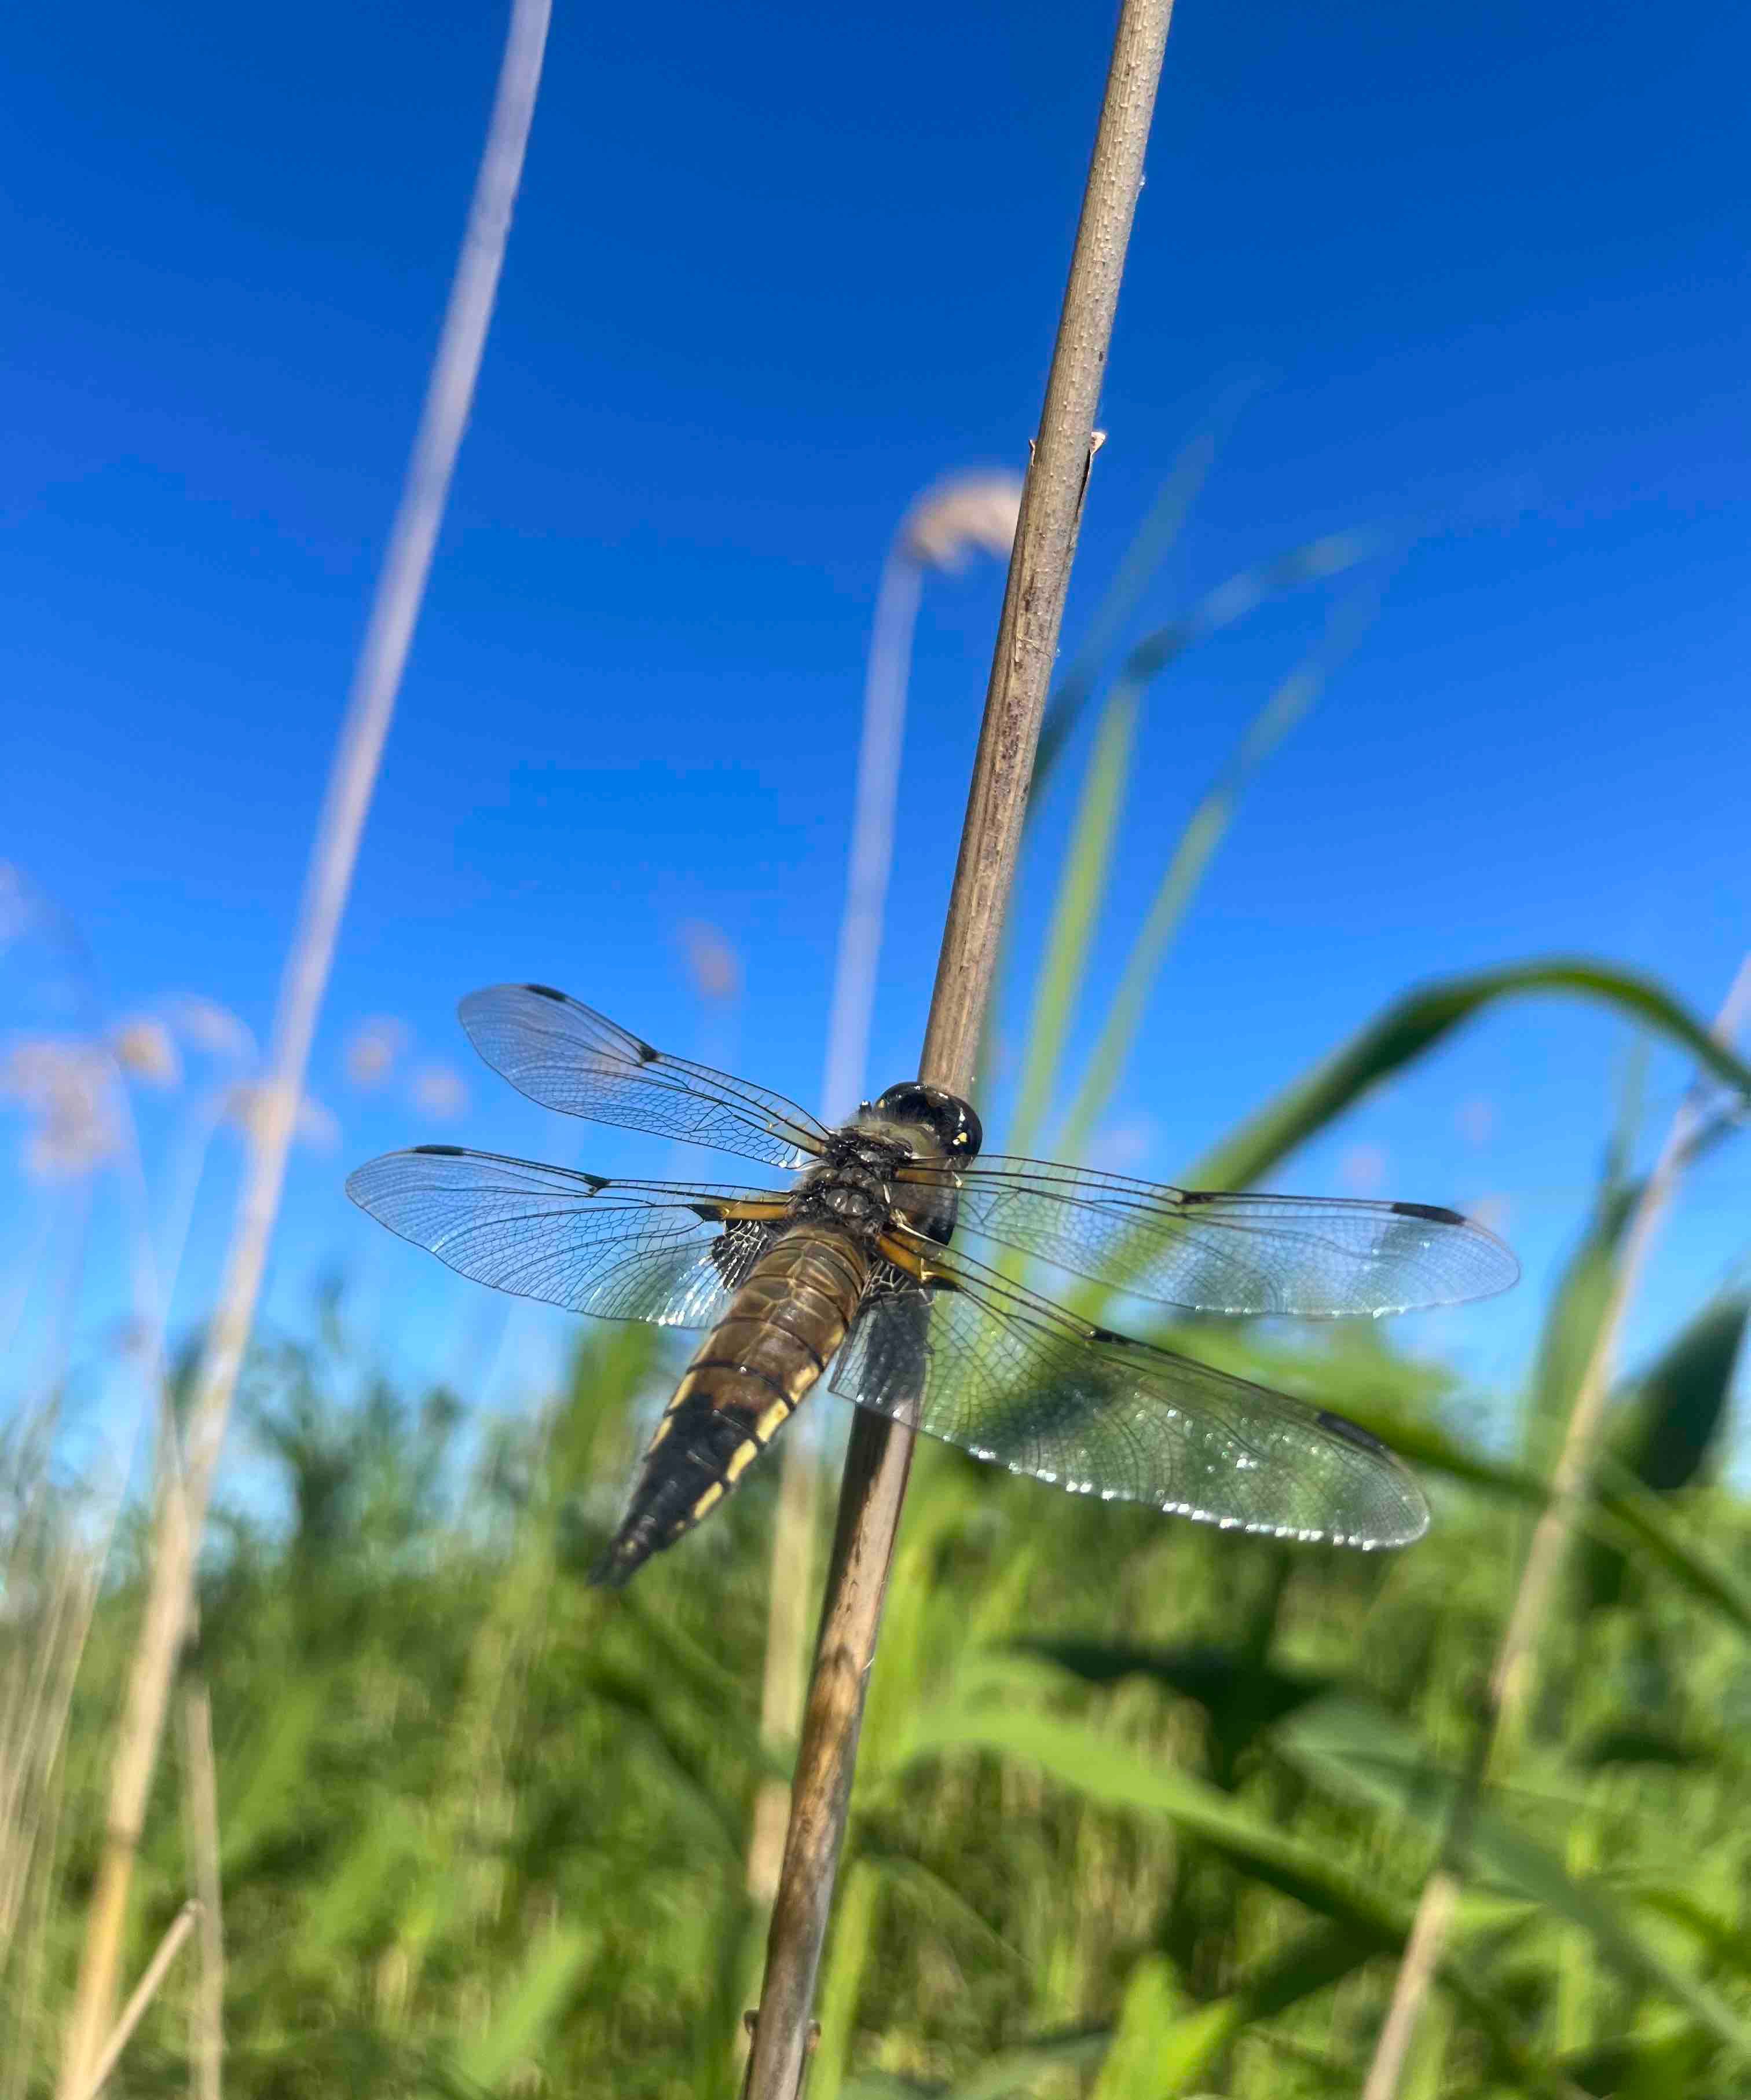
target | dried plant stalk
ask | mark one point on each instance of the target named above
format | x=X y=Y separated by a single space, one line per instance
x=181 y=1926
x=880 y=1452
x=1510 y=1678
x=206 y=2016
x=965 y=513
x=383 y=658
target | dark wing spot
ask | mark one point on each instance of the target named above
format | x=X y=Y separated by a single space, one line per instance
x=596 y=1182
x=1340 y=1426
x=1432 y=1212
x=647 y=1055
x=1106 y=1334
x=1199 y=1195
x=441 y=1151
x=546 y=991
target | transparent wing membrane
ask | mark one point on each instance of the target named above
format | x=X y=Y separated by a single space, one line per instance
x=567 y=1057
x=1010 y=1378
x=1310 y=1256
x=665 y=1252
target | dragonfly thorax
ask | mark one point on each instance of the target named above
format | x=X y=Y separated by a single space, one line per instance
x=931 y=1121
x=852 y=1183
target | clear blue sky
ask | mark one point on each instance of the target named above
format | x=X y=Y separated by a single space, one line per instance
x=774 y=270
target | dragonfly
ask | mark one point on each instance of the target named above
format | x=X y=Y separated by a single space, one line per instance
x=888 y=1269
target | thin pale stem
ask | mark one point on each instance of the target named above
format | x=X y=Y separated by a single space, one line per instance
x=874 y=800
x=370 y=707
x=206 y=2017
x=880 y=1452
x=181 y=1926
x=871 y=860
x=1512 y=1677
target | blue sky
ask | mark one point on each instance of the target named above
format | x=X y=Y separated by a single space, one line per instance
x=1475 y=275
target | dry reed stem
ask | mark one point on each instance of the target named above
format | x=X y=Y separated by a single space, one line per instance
x=870 y=864
x=783 y=1676
x=370 y=705
x=1510 y=1677
x=966 y=512
x=880 y=1451
x=206 y=2013
x=35 y=1717
x=26 y=2001
x=181 y=1926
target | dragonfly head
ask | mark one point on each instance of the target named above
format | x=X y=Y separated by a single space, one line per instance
x=950 y=1121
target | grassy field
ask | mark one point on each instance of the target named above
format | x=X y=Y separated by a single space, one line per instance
x=1140 y=1809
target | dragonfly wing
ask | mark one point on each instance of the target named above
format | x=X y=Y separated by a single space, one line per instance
x=966 y=1356
x=666 y=1252
x=1213 y=1252
x=568 y=1056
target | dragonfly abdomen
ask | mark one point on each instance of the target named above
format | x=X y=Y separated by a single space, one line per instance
x=749 y=1376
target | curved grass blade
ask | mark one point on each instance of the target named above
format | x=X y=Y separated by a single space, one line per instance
x=1669 y=1431
x=1017 y=2071
x=1190 y=2045
x=943 y=1904
x=534 y=2003
x=1683 y=1397
x=1242 y=1695
x=1421 y=1019
x=1569 y=1337
x=1196 y=847
x=1656 y=1532
x=1361 y=1752
x=1088 y=857
x=1091 y=1764
x=1231 y=600
x=1150 y=545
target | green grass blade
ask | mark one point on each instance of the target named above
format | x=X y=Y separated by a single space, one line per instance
x=1088 y=857
x=1660 y=1534
x=1157 y=2044
x=1421 y=1019
x=1196 y=847
x=1150 y=545
x=1090 y=1763
x=936 y=1899
x=1684 y=1395
x=1359 y=1750
x=1082 y=887
x=1569 y=1337
x=536 y=2000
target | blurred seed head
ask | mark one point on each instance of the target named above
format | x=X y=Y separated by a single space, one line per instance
x=439 y=1090
x=962 y=514
x=373 y=1048
x=247 y=1105
x=214 y=1031
x=1122 y=1148
x=1476 y=1119
x=68 y=1088
x=1362 y=1169
x=14 y=908
x=713 y=963
x=146 y=1050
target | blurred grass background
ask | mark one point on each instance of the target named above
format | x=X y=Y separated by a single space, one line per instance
x=1141 y=1811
